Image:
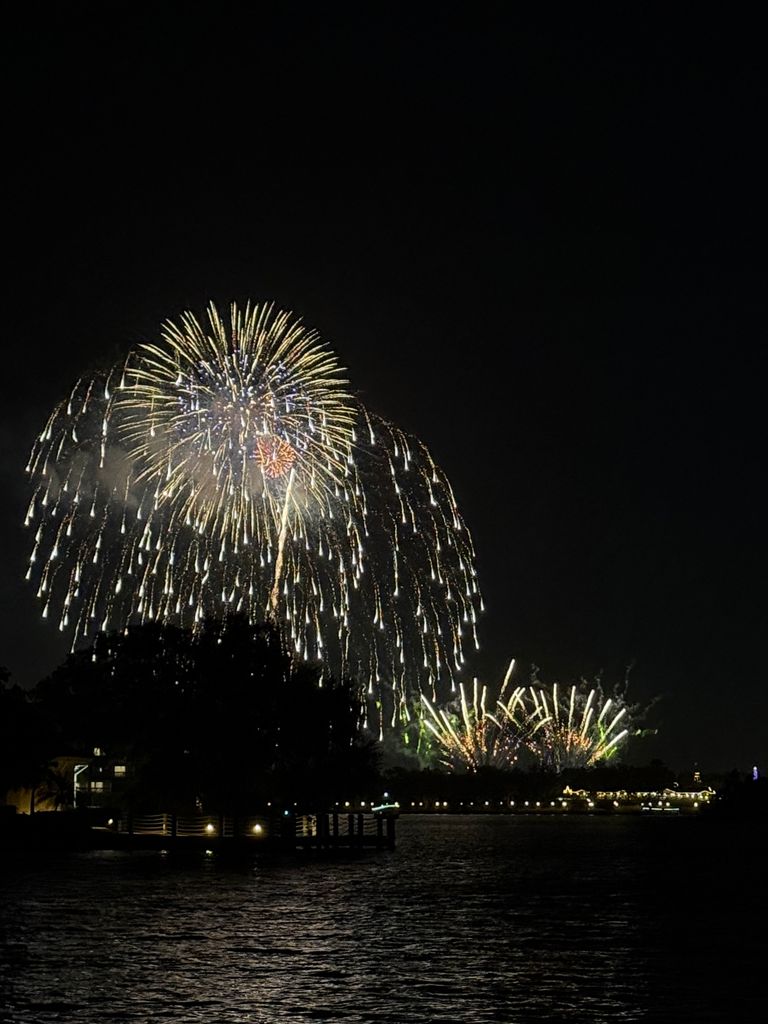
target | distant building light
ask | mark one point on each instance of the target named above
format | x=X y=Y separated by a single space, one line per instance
x=119 y=769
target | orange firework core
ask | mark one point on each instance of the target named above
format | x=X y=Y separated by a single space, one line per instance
x=274 y=455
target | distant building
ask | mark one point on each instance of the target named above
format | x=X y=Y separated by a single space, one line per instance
x=72 y=781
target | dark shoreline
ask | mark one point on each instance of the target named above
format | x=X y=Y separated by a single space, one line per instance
x=61 y=833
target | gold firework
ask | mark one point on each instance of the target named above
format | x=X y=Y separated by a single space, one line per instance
x=574 y=728
x=228 y=468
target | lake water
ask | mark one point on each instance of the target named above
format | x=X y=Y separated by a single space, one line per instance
x=471 y=919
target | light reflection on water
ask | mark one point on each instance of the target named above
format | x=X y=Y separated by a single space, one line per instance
x=471 y=919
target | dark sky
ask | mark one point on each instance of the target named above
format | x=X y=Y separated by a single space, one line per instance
x=536 y=242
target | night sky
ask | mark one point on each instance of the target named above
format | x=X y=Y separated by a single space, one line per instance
x=536 y=243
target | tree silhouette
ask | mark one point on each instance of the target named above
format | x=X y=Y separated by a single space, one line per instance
x=220 y=718
x=24 y=751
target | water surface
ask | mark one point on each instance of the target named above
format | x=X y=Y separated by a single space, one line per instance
x=471 y=919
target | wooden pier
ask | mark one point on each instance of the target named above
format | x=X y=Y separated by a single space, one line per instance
x=277 y=832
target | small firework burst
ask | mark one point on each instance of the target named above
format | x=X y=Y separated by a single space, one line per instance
x=568 y=727
x=275 y=456
x=469 y=734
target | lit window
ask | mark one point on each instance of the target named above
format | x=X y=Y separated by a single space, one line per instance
x=97 y=787
x=119 y=769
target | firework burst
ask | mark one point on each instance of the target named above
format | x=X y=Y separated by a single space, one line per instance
x=469 y=735
x=571 y=727
x=576 y=727
x=228 y=467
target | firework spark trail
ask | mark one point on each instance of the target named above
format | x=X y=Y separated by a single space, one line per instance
x=274 y=596
x=228 y=468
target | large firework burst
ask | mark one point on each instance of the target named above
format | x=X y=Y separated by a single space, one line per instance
x=228 y=467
